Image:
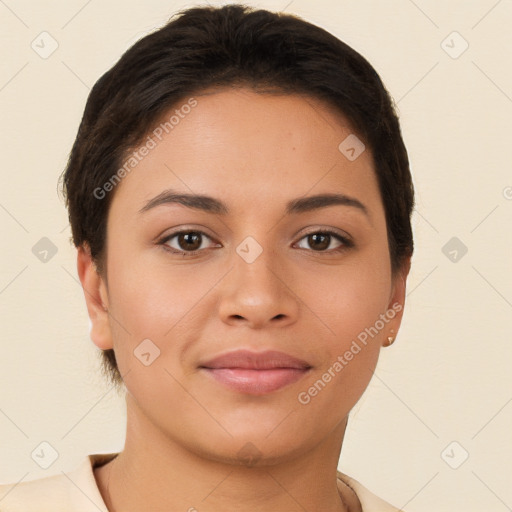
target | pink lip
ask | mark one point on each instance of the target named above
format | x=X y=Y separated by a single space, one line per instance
x=256 y=373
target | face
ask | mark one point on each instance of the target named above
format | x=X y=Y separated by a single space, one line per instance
x=260 y=266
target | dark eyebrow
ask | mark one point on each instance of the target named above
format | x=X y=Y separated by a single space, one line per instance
x=306 y=204
x=211 y=205
x=196 y=201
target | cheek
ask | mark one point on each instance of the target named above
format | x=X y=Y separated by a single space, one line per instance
x=153 y=301
x=147 y=306
x=169 y=306
x=335 y=389
x=346 y=300
x=349 y=303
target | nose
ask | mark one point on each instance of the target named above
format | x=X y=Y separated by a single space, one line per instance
x=258 y=294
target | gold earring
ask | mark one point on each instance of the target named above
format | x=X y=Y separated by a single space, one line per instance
x=390 y=340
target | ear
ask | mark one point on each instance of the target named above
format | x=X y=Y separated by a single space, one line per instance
x=96 y=298
x=397 y=301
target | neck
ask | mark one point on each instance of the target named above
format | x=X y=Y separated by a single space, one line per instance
x=154 y=472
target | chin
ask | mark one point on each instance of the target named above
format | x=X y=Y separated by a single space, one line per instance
x=250 y=446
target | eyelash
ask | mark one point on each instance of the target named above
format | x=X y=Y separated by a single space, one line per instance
x=347 y=244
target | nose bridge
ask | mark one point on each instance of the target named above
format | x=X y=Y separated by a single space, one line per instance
x=255 y=291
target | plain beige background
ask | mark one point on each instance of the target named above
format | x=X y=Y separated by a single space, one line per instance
x=446 y=379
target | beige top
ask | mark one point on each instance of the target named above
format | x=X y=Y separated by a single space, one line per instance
x=77 y=491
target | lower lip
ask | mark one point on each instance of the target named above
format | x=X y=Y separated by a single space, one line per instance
x=256 y=382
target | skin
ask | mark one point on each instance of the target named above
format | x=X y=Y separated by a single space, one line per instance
x=255 y=152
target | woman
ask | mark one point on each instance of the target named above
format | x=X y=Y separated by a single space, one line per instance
x=240 y=198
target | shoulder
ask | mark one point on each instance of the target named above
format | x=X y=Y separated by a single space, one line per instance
x=72 y=491
x=369 y=501
x=77 y=491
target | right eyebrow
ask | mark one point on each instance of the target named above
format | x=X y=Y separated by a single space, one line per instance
x=199 y=202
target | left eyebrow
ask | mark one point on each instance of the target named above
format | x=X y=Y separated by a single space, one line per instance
x=212 y=205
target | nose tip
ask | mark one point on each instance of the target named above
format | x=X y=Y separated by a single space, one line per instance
x=254 y=294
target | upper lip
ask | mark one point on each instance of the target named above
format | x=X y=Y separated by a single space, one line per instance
x=247 y=359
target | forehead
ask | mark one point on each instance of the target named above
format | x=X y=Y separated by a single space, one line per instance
x=243 y=146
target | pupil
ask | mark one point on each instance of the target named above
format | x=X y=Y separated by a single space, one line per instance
x=189 y=239
x=316 y=237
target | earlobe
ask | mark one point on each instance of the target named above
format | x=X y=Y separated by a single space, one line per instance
x=96 y=299
x=397 y=303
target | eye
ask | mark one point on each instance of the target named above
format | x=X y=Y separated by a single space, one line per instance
x=187 y=242
x=321 y=240
x=191 y=242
